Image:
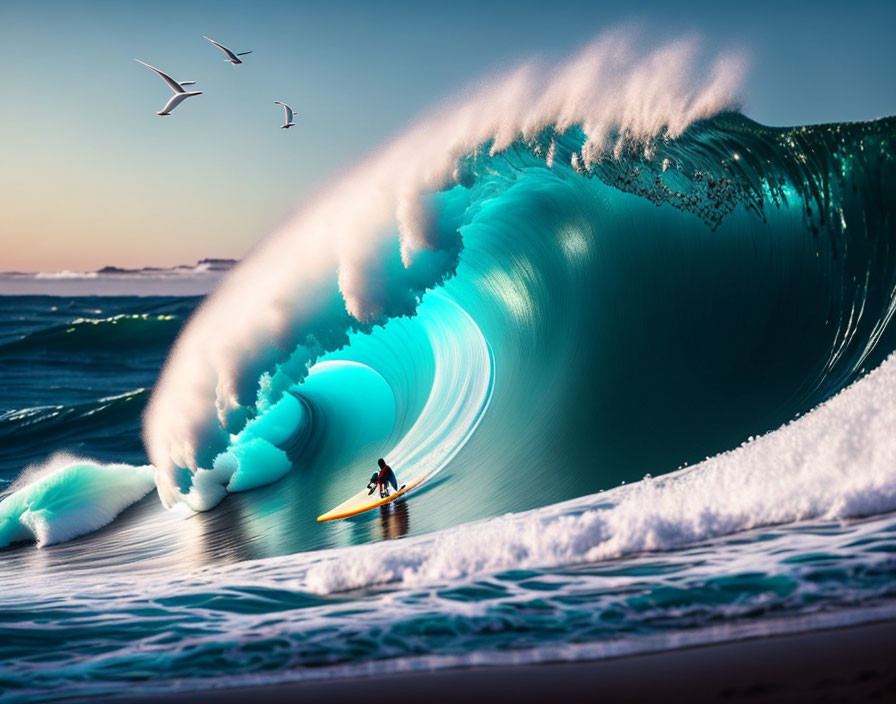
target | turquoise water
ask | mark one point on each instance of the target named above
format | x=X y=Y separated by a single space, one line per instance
x=566 y=340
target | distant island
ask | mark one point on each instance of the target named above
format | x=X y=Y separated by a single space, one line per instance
x=208 y=265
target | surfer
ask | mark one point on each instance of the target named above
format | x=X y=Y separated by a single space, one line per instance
x=382 y=479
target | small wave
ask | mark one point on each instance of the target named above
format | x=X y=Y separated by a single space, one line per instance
x=64 y=274
x=106 y=424
x=67 y=497
x=123 y=333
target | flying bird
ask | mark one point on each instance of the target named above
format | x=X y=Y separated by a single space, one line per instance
x=180 y=95
x=231 y=57
x=288 y=110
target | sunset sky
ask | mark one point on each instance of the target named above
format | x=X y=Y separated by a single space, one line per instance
x=92 y=176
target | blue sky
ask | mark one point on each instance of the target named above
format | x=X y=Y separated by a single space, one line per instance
x=92 y=176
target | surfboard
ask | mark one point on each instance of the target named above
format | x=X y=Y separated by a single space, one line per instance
x=362 y=501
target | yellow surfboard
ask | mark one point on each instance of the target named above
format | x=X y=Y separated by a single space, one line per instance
x=362 y=501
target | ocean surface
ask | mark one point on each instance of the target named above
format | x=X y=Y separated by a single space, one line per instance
x=640 y=356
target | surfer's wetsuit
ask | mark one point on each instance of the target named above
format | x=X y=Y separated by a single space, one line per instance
x=386 y=476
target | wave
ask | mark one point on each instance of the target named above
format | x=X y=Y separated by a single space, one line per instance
x=635 y=256
x=333 y=270
x=75 y=375
x=545 y=291
x=117 y=334
x=67 y=497
x=553 y=300
x=339 y=390
x=106 y=423
x=485 y=594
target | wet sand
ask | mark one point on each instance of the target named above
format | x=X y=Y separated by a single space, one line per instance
x=856 y=663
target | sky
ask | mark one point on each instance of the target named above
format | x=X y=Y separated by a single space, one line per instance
x=91 y=176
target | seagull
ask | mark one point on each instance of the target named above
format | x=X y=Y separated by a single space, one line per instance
x=231 y=57
x=180 y=95
x=288 y=110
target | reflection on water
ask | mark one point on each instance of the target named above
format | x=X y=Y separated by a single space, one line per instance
x=279 y=519
x=394 y=519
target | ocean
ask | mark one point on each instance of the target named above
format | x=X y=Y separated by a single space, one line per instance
x=638 y=349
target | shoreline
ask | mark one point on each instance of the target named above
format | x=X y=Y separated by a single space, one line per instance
x=851 y=663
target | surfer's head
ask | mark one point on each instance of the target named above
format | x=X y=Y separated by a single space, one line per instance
x=381 y=462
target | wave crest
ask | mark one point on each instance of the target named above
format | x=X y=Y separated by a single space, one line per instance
x=335 y=269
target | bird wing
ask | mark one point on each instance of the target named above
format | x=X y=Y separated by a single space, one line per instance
x=176 y=100
x=223 y=48
x=174 y=85
x=287 y=109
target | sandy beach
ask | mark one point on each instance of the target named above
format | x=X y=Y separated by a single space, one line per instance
x=840 y=665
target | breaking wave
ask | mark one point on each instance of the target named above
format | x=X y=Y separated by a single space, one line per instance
x=634 y=255
x=336 y=270
x=568 y=280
